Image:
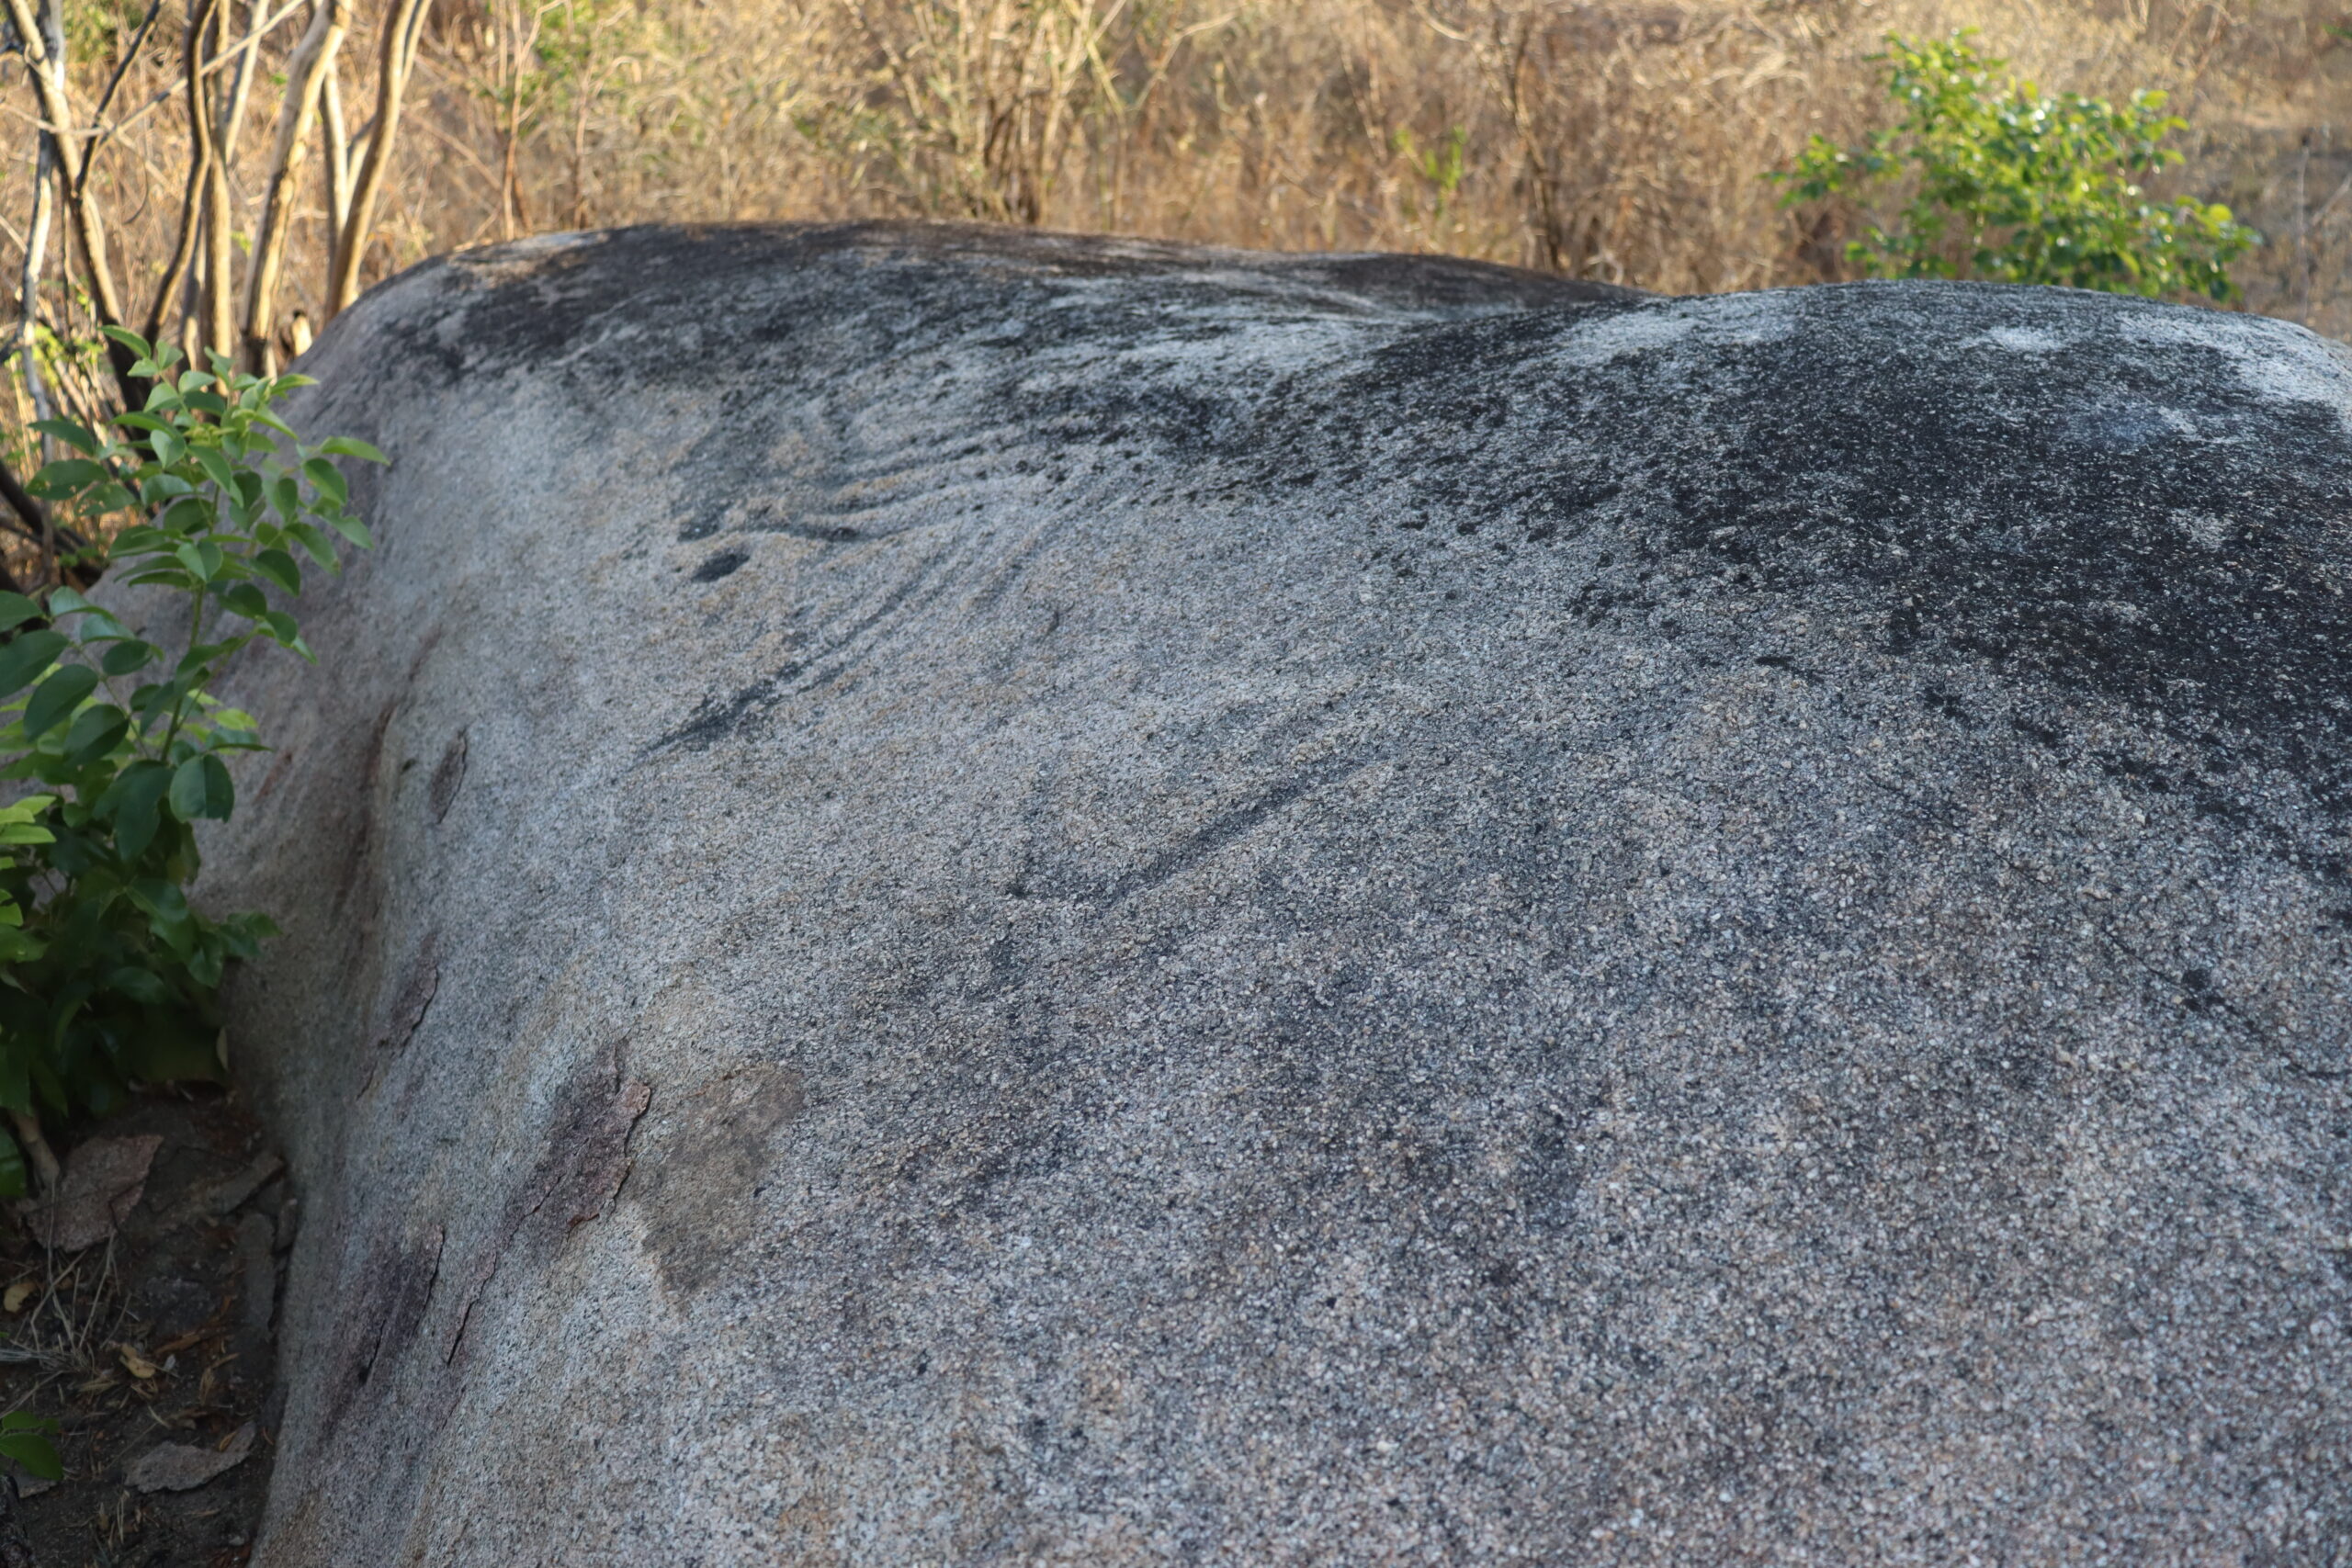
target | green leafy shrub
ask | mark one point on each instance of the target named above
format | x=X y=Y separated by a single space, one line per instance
x=106 y=973
x=2008 y=185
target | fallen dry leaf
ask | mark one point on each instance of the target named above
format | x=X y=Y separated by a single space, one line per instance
x=180 y=1467
x=134 y=1363
x=103 y=1181
x=19 y=1293
x=193 y=1336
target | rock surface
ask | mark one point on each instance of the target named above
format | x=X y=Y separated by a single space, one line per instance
x=965 y=898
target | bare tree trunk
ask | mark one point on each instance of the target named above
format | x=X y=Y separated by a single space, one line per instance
x=220 y=331
x=401 y=23
x=29 y=281
x=337 y=157
x=176 y=272
x=305 y=77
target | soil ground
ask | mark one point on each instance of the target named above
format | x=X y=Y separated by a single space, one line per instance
x=161 y=1335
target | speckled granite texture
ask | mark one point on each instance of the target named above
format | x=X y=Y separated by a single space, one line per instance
x=969 y=898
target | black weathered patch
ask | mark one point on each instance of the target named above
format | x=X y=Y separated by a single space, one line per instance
x=723 y=564
x=703 y=1165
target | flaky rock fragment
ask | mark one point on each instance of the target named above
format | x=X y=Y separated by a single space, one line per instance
x=184 y=1467
x=102 y=1182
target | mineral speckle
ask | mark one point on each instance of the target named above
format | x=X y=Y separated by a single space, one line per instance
x=1307 y=911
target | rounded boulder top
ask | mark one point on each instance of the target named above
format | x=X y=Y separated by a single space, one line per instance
x=960 y=896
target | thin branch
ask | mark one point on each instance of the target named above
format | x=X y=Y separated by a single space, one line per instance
x=99 y=135
x=305 y=77
x=29 y=512
x=129 y=58
x=233 y=122
x=219 y=329
x=192 y=196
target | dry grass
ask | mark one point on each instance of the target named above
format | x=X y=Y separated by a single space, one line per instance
x=1624 y=140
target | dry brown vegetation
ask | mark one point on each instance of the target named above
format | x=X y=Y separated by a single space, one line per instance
x=1624 y=140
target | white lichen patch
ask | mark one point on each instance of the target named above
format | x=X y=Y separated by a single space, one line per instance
x=2021 y=340
x=2209 y=531
x=2275 y=360
x=1722 y=320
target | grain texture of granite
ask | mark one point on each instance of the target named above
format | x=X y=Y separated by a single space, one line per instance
x=964 y=898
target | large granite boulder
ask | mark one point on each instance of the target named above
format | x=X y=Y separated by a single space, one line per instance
x=958 y=897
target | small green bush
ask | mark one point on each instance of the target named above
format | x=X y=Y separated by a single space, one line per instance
x=2008 y=185
x=106 y=972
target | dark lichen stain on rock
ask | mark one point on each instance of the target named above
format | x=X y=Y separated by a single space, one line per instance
x=699 y=1179
x=448 y=777
x=720 y=565
x=383 y=1308
x=2000 y=510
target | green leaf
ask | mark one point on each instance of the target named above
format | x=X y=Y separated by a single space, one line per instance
x=160 y=899
x=15 y=610
x=32 y=1451
x=141 y=986
x=351 y=528
x=350 y=447
x=131 y=802
x=95 y=731
x=189 y=514
x=327 y=480
x=25 y=658
x=203 y=559
x=21 y=824
x=128 y=657
x=57 y=697
x=101 y=624
x=245 y=599
x=201 y=788
x=74 y=433
x=314 y=543
x=280 y=569
x=67 y=476
x=216 y=467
